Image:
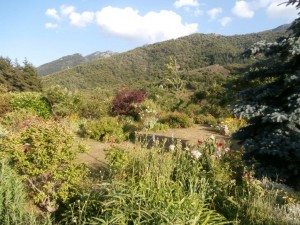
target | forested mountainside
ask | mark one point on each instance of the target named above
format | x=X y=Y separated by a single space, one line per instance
x=70 y=61
x=147 y=64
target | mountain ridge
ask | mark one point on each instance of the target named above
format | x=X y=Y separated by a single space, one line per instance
x=70 y=61
x=145 y=65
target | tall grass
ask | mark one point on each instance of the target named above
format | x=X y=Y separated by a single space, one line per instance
x=143 y=189
x=152 y=186
x=13 y=199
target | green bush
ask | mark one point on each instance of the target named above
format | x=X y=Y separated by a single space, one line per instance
x=160 y=127
x=43 y=153
x=95 y=104
x=206 y=119
x=63 y=102
x=106 y=129
x=176 y=120
x=30 y=101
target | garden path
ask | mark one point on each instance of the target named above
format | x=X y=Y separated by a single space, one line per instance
x=95 y=156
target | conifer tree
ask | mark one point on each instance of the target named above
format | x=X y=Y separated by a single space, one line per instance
x=272 y=108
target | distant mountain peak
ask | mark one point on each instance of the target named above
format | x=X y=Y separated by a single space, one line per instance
x=70 y=61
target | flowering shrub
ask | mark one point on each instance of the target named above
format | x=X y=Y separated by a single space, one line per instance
x=230 y=125
x=148 y=114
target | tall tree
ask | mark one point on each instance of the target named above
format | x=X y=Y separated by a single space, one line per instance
x=272 y=108
x=15 y=77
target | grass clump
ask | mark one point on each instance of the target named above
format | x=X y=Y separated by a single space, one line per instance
x=13 y=198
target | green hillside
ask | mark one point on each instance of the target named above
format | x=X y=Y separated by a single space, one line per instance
x=70 y=61
x=146 y=64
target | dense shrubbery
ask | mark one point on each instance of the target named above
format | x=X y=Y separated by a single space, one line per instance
x=30 y=101
x=106 y=129
x=207 y=183
x=95 y=104
x=42 y=153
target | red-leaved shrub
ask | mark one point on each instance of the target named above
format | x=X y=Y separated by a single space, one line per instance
x=126 y=101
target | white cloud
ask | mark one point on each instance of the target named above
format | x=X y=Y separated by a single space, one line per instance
x=152 y=27
x=52 y=13
x=278 y=10
x=214 y=13
x=274 y=9
x=243 y=9
x=225 y=21
x=53 y=26
x=184 y=3
x=67 y=10
x=81 y=19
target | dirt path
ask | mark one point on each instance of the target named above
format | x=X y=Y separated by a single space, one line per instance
x=190 y=135
x=95 y=157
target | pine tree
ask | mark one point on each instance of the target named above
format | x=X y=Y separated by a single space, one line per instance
x=272 y=108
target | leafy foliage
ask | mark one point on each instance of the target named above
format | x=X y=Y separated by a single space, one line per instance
x=106 y=129
x=42 y=153
x=271 y=106
x=63 y=101
x=30 y=101
x=126 y=101
x=95 y=104
x=176 y=120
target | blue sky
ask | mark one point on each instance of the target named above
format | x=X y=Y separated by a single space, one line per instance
x=42 y=30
